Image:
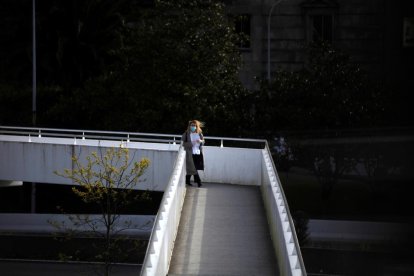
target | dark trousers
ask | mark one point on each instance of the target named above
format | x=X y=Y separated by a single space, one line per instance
x=196 y=179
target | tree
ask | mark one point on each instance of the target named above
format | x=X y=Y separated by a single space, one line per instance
x=178 y=60
x=330 y=92
x=329 y=165
x=107 y=180
x=129 y=65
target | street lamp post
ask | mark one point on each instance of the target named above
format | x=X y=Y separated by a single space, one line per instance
x=268 y=38
x=34 y=88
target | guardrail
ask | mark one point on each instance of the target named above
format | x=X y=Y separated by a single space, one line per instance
x=282 y=228
x=161 y=243
x=53 y=151
x=120 y=135
x=90 y=134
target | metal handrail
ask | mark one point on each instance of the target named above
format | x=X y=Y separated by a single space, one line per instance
x=229 y=139
x=236 y=139
x=291 y=223
x=90 y=134
x=111 y=135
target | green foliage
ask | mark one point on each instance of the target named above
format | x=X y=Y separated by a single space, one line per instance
x=153 y=65
x=106 y=179
x=331 y=92
x=128 y=65
x=178 y=62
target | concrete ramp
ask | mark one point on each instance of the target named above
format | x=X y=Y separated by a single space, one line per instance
x=223 y=231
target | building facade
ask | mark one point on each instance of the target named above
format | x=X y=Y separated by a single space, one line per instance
x=376 y=34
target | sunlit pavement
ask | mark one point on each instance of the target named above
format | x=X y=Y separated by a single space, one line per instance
x=223 y=231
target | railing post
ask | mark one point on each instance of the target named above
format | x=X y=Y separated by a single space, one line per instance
x=40 y=134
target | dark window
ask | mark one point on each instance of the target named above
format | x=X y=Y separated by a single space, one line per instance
x=321 y=28
x=242 y=27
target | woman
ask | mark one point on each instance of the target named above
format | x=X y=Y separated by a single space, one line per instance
x=193 y=141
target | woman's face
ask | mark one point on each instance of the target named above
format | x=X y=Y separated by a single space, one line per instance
x=193 y=127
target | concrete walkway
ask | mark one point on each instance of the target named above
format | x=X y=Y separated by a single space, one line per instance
x=223 y=231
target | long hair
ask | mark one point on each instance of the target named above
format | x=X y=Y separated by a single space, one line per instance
x=198 y=124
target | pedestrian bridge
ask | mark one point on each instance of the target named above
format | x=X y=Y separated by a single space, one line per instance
x=237 y=223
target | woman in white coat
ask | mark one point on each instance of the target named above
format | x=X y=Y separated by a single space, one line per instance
x=193 y=141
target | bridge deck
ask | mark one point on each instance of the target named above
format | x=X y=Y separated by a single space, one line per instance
x=223 y=231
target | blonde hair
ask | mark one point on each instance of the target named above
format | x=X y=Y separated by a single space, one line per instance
x=198 y=124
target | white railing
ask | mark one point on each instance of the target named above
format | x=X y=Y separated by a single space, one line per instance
x=34 y=154
x=77 y=134
x=161 y=243
x=280 y=221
